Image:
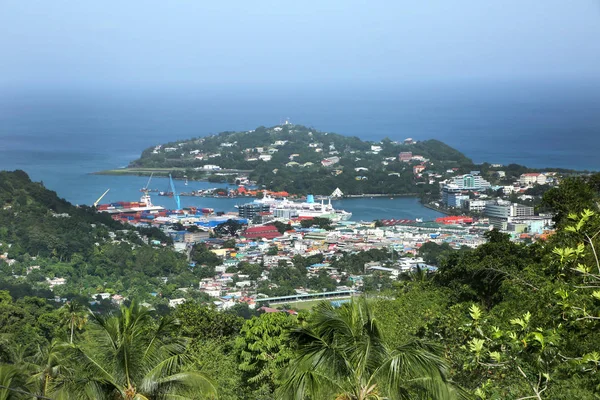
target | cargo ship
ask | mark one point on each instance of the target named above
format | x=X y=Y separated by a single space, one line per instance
x=128 y=207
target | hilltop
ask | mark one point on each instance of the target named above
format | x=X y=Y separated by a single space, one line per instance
x=302 y=160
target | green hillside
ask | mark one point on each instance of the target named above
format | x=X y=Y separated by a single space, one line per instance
x=44 y=237
x=291 y=158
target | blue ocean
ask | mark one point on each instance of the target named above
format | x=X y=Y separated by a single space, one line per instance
x=60 y=136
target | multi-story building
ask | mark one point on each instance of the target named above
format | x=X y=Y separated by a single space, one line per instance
x=474 y=205
x=453 y=197
x=470 y=182
x=533 y=178
x=251 y=210
x=501 y=213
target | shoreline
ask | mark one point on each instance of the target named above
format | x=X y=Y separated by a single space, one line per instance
x=157 y=171
x=434 y=208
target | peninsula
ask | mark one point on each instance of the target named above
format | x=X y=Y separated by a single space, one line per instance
x=298 y=159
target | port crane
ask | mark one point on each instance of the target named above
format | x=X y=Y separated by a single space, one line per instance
x=101 y=197
x=175 y=194
x=145 y=189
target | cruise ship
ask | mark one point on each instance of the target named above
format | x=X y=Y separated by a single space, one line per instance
x=284 y=208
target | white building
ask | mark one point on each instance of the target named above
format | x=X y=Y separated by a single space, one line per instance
x=533 y=178
x=337 y=193
x=55 y=282
x=474 y=205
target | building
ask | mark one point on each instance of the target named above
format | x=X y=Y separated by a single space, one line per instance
x=336 y=194
x=195 y=237
x=417 y=169
x=326 y=162
x=259 y=232
x=533 y=178
x=405 y=156
x=501 y=213
x=454 y=220
x=211 y=167
x=453 y=197
x=531 y=224
x=470 y=181
x=251 y=210
x=474 y=205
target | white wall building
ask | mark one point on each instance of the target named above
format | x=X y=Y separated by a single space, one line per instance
x=533 y=178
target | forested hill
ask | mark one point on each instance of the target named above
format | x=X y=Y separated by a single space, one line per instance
x=300 y=160
x=35 y=221
x=43 y=237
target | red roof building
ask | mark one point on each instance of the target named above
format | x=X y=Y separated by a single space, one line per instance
x=259 y=232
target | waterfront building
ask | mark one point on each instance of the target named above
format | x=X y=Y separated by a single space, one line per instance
x=452 y=196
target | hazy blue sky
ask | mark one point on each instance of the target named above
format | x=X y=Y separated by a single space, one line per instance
x=167 y=42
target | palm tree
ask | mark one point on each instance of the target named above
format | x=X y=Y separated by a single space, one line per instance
x=75 y=316
x=418 y=274
x=342 y=355
x=129 y=357
x=11 y=385
x=47 y=365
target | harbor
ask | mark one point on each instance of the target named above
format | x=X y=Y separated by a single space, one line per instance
x=127 y=188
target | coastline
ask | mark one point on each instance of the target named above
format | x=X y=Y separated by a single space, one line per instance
x=438 y=209
x=139 y=171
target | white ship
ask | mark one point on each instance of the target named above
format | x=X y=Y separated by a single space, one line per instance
x=284 y=208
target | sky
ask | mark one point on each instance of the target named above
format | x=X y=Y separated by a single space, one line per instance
x=241 y=42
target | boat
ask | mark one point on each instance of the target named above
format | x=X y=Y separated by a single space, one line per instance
x=284 y=208
x=127 y=207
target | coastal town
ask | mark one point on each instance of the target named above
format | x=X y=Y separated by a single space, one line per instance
x=273 y=233
x=286 y=249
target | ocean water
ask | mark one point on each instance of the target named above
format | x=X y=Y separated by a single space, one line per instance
x=60 y=136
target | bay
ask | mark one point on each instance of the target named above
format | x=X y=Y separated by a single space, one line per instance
x=61 y=136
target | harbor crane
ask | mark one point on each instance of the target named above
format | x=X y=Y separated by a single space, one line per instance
x=175 y=194
x=101 y=197
x=145 y=189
